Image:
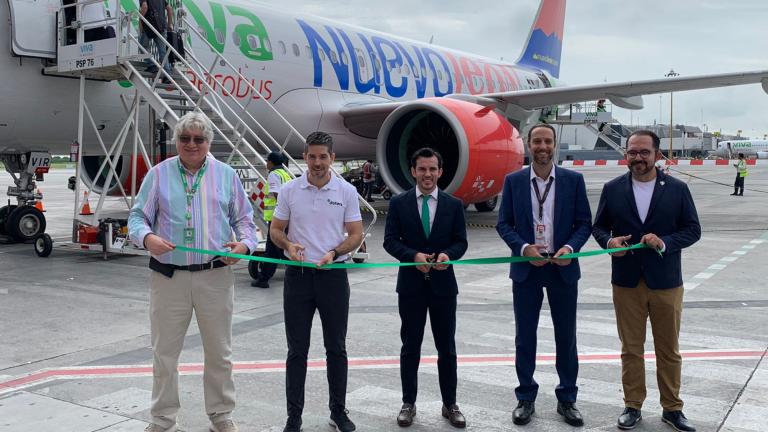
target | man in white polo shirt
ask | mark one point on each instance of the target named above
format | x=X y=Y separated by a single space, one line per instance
x=319 y=207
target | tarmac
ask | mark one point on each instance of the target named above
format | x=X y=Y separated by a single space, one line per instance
x=75 y=353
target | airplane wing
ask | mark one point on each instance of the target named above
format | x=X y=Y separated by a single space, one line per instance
x=627 y=94
x=365 y=119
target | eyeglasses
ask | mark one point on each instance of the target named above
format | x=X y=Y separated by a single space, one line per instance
x=635 y=153
x=197 y=139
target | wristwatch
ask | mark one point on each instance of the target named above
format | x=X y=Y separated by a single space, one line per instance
x=335 y=254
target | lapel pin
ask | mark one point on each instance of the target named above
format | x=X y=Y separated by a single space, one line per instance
x=661 y=182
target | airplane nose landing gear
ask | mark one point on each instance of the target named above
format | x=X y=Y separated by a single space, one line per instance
x=22 y=223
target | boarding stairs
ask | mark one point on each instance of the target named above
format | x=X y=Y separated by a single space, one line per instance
x=240 y=139
x=598 y=119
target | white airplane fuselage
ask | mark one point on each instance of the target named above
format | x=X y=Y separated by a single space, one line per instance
x=292 y=66
x=750 y=148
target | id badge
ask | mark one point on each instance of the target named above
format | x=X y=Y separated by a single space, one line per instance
x=541 y=237
x=189 y=235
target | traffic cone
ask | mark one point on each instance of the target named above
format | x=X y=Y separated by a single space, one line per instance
x=39 y=203
x=86 y=209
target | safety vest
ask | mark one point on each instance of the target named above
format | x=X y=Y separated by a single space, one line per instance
x=741 y=167
x=270 y=202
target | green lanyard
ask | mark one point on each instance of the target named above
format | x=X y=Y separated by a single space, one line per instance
x=189 y=231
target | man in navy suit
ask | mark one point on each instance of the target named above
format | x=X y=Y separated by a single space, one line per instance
x=545 y=214
x=426 y=225
x=647 y=206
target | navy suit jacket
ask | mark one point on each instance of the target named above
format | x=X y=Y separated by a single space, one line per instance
x=404 y=237
x=572 y=219
x=671 y=216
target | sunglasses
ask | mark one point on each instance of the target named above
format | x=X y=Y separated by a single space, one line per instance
x=197 y=139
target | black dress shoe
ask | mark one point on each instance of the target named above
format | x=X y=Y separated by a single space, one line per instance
x=677 y=420
x=522 y=414
x=293 y=424
x=629 y=418
x=570 y=413
x=407 y=413
x=454 y=416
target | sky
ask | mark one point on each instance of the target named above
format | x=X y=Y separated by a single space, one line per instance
x=605 y=41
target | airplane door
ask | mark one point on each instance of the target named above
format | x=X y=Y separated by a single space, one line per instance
x=33 y=27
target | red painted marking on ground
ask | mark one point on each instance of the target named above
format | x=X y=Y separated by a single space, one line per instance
x=600 y=162
x=279 y=366
x=722 y=162
x=697 y=162
x=578 y=163
x=751 y=161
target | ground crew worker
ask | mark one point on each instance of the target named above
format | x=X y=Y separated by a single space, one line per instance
x=741 y=172
x=276 y=178
x=318 y=208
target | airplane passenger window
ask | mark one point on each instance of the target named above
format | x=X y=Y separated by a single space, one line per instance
x=440 y=75
x=236 y=38
x=219 y=36
x=344 y=58
x=253 y=42
x=361 y=61
x=334 y=58
x=322 y=55
x=377 y=63
x=423 y=72
x=308 y=51
x=281 y=44
x=406 y=70
x=267 y=44
x=296 y=51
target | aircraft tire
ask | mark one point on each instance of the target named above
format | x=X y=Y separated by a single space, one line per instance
x=4 y=212
x=487 y=206
x=43 y=245
x=25 y=223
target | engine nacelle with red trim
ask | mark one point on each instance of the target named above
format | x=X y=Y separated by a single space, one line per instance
x=479 y=146
x=123 y=166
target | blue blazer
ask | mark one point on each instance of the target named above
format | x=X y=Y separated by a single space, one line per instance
x=572 y=218
x=404 y=237
x=671 y=216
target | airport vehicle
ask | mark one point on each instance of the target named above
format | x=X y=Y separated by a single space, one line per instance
x=377 y=94
x=751 y=148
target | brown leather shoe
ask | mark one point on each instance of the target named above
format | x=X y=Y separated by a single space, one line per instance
x=407 y=413
x=454 y=416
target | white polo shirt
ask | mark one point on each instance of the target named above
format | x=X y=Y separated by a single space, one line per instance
x=316 y=217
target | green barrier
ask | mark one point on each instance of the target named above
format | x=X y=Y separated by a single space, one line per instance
x=470 y=261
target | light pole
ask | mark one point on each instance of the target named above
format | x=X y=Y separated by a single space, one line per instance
x=671 y=74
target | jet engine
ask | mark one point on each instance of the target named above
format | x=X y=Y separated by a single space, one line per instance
x=96 y=179
x=479 y=147
x=762 y=155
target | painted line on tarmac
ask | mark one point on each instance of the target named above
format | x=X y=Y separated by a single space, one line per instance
x=278 y=366
x=712 y=270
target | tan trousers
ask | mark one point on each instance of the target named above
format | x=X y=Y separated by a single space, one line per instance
x=210 y=294
x=633 y=306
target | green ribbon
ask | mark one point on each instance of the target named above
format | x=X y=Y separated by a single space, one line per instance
x=470 y=261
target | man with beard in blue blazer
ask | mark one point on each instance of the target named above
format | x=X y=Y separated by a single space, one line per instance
x=545 y=214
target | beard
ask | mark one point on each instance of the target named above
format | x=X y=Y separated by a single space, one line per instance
x=641 y=167
x=542 y=157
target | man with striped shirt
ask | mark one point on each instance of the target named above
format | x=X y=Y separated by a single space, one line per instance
x=196 y=201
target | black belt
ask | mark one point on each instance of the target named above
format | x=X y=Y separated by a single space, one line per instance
x=168 y=269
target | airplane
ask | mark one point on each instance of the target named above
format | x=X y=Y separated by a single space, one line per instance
x=380 y=96
x=750 y=148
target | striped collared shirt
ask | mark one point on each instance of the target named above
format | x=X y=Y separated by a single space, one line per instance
x=221 y=211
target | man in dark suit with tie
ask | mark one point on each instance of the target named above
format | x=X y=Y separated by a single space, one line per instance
x=545 y=214
x=426 y=225
x=647 y=206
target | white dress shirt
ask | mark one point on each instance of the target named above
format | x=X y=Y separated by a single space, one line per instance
x=548 y=215
x=432 y=203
